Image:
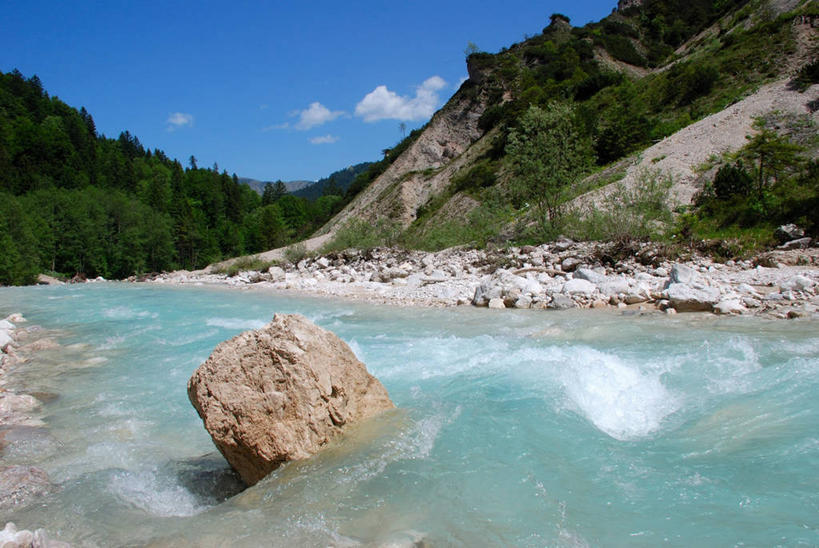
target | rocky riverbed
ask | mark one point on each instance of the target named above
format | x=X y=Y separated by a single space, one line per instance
x=783 y=283
x=20 y=419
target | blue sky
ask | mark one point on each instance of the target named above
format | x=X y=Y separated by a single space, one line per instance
x=269 y=90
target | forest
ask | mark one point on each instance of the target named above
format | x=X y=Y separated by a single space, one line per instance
x=73 y=201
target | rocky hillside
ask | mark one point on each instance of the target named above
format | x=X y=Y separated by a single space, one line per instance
x=425 y=168
x=657 y=86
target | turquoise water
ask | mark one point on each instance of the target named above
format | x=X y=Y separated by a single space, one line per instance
x=513 y=429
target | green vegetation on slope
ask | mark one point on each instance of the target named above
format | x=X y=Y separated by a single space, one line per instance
x=769 y=182
x=599 y=72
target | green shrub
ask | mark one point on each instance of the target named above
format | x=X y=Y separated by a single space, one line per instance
x=482 y=225
x=637 y=212
x=807 y=76
x=688 y=81
x=243 y=264
x=296 y=252
x=364 y=235
x=622 y=49
x=732 y=180
x=482 y=175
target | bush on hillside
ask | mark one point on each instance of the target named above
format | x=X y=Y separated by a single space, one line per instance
x=732 y=180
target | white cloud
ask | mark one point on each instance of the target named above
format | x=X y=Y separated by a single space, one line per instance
x=315 y=115
x=383 y=104
x=324 y=140
x=178 y=120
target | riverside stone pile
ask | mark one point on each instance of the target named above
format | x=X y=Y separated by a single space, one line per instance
x=562 y=275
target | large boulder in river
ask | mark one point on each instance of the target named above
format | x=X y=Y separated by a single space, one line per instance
x=280 y=393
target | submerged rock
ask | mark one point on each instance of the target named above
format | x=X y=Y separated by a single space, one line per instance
x=280 y=393
x=20 y=484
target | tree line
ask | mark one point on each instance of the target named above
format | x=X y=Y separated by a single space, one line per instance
x=73 y=201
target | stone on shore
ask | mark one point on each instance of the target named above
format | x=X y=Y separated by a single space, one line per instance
x=281 y=393
x=786 y=233
x=579 y=287
x=10 y=537
x=729 y=306
x=43 y=279
x=497 y=303
x=682 y=274
x=685 y=298
x=5 y=339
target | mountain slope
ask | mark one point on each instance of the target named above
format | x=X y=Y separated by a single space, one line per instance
x=681 y=154
x=423 y=170
x=639 y=78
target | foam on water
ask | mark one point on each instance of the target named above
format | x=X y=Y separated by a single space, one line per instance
x=125 y=313
x=158 y=495
x=235 y=323
x=616 y=397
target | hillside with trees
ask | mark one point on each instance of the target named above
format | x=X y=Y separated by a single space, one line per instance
x=76 y=202
x=536 y=129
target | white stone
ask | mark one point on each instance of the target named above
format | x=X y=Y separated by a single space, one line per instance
x=579 y=287
x=5 y=339
x=797 y=283
x=614 y=286
x=681 y=274
x=729 y=306
x=562 y=302
x=746 y=289
x=688 y=299
x=497 y=303
x=589 y=275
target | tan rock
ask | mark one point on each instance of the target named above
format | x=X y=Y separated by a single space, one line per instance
x=280 y=393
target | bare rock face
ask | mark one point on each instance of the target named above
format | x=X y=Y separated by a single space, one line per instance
x=280 y=393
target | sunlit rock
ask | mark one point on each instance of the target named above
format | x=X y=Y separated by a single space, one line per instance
x=280 y=393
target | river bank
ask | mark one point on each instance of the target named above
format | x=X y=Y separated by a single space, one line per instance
x=779 y=284
x=22 y=423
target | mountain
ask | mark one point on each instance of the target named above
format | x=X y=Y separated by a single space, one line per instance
x=336 y=183
x=258 y=186
x=649 y=73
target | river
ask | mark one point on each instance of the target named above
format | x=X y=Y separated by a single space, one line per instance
x=514 y=428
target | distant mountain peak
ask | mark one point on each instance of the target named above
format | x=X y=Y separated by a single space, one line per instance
x=291 y=186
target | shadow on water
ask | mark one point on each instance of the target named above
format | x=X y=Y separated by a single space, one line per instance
x=208 y=478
